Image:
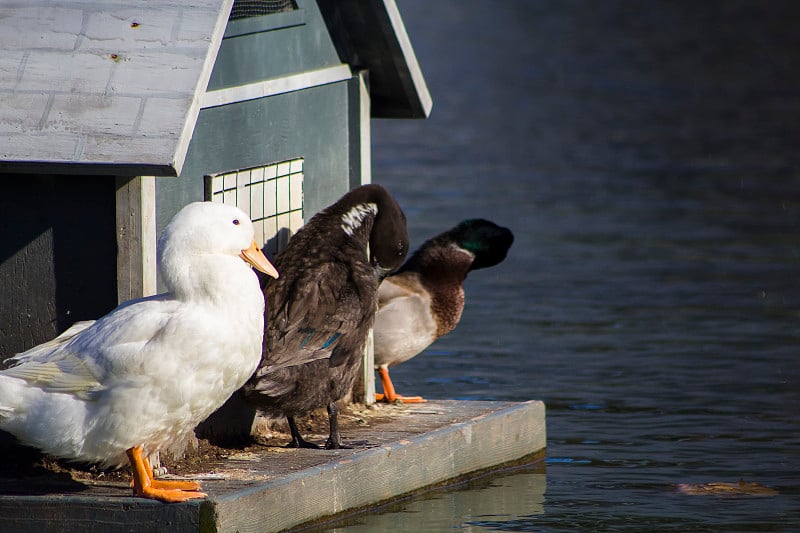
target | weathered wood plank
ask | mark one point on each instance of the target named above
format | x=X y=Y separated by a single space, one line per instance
x=361 y=151
x=93 y=75
x=39 y=514
x=136 y=237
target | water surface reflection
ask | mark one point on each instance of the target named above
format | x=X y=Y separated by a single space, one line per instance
x=645 y=155
x=487 y=502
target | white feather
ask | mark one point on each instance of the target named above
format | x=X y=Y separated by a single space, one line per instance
x=404 y=325
x=148 y=372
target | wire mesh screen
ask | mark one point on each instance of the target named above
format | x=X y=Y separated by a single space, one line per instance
x=272 y=195
x=255 y=8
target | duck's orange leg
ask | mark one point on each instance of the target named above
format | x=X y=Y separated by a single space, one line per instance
x=169 y=484
x=389 y=395
x=167 y=491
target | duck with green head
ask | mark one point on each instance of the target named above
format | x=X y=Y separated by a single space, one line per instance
x=424 y=299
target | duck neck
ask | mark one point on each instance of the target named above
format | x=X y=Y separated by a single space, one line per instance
x=356 y=223
x=442 y=270
x=447 y=264
x=222 y=280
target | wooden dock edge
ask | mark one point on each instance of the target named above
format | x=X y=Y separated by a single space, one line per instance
x=373 y=476
x=526 y=463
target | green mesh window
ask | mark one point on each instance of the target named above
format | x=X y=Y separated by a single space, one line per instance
x=272 y=195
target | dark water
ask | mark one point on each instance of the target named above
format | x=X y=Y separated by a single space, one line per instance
x=646 y=156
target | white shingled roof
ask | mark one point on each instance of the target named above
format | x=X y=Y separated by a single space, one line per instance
x=107 y=86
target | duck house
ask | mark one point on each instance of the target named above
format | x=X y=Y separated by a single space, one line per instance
x=114 y=115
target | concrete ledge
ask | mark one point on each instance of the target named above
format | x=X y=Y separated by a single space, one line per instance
x=414 y=447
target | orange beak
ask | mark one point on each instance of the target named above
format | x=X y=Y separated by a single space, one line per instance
x=256 y=257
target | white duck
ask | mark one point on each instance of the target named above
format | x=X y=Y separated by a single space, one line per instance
x=148 y=372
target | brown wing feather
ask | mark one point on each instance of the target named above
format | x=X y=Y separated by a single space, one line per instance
x=310 y=317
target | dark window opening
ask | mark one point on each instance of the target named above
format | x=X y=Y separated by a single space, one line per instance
x=256 y=8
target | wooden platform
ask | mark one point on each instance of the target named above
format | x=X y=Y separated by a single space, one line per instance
x=411 y=448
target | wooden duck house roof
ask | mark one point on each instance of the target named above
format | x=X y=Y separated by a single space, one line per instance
x=115 y=87
x=108 y=87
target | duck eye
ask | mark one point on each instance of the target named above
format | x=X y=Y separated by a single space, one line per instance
x=235 y=221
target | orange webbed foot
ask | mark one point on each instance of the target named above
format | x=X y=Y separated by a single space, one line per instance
x=145 y=486
x=176 y=485
x=389 y=395
x=399 y=398
x=168 y=495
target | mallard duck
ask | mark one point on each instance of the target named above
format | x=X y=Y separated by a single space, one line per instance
x=120 y=388
x=424 y=299
x=320 y=311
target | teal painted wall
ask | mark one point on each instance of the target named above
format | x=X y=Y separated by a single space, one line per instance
x=312 y=123
x=287 y=43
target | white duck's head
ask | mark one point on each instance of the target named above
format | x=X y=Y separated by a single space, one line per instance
x=204 y=237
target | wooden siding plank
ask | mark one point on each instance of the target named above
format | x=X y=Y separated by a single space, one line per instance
x=264 y=53
x=361 y=174
x=275 y=86
x=136 y=237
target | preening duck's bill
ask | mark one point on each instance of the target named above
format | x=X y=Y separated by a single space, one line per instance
x=256 y=257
